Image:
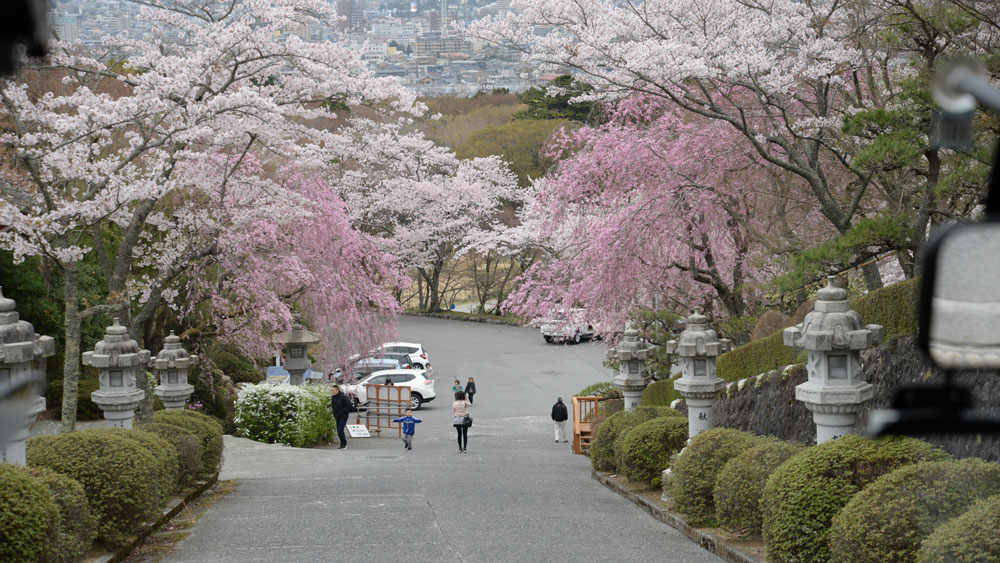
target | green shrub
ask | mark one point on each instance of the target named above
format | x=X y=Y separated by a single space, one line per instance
x=608 y=407
x=286 y=414
x=769 y=323
x=889 y=518
x=602 y=448
x=740 y=483
x=894 y=307
x=757 y=357
x=237 y=367
x=596 y=390
x=167 y=462
x=188 y=447
x=77 y=525
x=804 y=494
x=692 y=475
x=969 y=538
x=647 y=448
x=207 y=429
x=118 y=474
x=85 y=408
x=29 y=517
x=660 y=393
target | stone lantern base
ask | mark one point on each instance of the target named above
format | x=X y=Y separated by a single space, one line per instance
x=632 y=389
x=174 y=396
x=14 y=451
x=119 y=408
x=699 y=396
x=835 y=409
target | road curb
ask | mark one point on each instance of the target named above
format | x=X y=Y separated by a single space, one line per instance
x=706 y=540
x=450 y=317
x=172 y=509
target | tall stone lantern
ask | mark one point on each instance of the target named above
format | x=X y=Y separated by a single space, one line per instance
x=296 y=343
x=22 y=368
x=120 y=361
x=171 y=369
x=632 y=377
x=697 y=348
x=834 y=336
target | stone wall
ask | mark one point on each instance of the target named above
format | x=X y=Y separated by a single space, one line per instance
x=765 y=404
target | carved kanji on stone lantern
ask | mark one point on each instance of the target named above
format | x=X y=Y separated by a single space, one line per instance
x=171 y=368
x=698 y=347
x=22 y=367
x=119 y=360
x=632 y=378
x=834 y=335
x=296 y=343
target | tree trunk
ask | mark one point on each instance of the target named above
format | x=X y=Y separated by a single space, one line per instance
x=71 y=362
x=873 y=279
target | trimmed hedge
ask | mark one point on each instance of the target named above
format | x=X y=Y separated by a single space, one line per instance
x=29 y=517
x=740 y=483
x=77 y=525
x=206 y=428
x=889 y=518
x=803 y=495
x=287 y=414
x=603 y=456
x=117 y=472
x=647 y=448
x=186 y=443
x=693 y=473
x=769 y=323
x=969 y=538
x=894 y=307
x=660 y=393
x=167 y=462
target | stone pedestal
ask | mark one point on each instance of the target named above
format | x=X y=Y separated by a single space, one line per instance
x=14 y=451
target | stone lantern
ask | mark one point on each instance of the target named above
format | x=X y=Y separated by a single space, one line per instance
x=22 y=374
x=120 y=361
x=834 y=336
x=697 y=348
x=632 y=378
x=296 y=343
x=171 y=368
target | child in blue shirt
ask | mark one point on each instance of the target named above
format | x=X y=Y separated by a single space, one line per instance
x=408 y=425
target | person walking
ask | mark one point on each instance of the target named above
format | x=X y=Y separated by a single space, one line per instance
x=470 y=389
x=559 y=417
x=408 y=426
x=457 y=387
x=342 y=409
x=460 y=408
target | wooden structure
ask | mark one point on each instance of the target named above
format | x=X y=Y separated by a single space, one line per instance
x=584 y=413
x=385 y=403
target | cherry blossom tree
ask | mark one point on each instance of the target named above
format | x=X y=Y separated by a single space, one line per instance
x=100 y=157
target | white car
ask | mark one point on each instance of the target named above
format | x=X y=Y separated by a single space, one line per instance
x=571 y=326
x=418 y=356
x=420 y=382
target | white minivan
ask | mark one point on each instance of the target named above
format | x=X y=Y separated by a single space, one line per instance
x=567 y=326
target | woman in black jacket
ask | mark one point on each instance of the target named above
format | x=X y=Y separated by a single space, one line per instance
x=342 y=409
x=470 y=389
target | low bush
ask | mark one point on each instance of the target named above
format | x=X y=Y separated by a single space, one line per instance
x=77 y=525
x=889 y=518
x=188 y=447
x=660 y=393
x=239 y=368
x=117 y=472
x=286 y=414
x=207 y=429
x=167 y=462
x=757 y=357
x=740 y=483
x=596 y=390
x=29 y=517
x=894 y=307
x=646 y=449
x=803 y=495
x=693 y=473
x=969 y=538
x=769 y=323
x=602 y=447
x=85 y=408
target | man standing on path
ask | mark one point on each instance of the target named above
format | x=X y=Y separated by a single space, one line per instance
x=559 y=417
x=342 y=408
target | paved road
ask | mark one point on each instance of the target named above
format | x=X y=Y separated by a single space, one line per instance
x=515 y=496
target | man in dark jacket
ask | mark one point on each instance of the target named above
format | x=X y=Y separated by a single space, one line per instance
x=559 y=417
x=342 y=409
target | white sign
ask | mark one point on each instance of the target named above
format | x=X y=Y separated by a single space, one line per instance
x=358 y=431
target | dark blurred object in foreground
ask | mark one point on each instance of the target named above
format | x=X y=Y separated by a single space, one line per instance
x=23 y=23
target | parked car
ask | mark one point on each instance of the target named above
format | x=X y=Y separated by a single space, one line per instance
x=420 y=382
x=567 y=326
x=416 y=352
x=367 y=366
